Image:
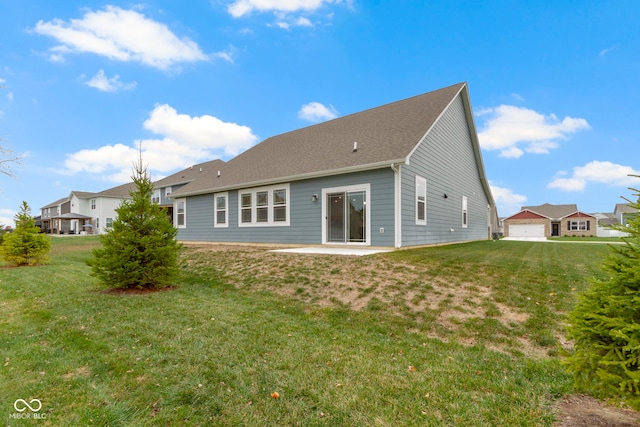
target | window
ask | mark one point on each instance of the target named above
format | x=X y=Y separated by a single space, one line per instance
x=265 y=206
x=280 y=205
x=421 y=200
x=465 y=217
x=167 y=192
x=93 y=203
x=262 y=206
x=181 y=213
x=155 y=197
x=246 y=207
x=221 y=207
x=109 y=222
x=579 y=225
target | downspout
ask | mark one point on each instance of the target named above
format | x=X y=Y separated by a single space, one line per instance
x=397 y=204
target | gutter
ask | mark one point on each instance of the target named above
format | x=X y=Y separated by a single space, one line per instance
x=397 y=204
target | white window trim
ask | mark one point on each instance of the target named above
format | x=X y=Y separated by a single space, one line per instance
x=254 y=216
x=578 y=225
x=175 y=210
x=465 y=212
x=155 y=196
x=422 y=180
x=226 y=209
x=167 y=191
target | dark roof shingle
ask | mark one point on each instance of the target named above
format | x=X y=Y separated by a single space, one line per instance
x=383 y=134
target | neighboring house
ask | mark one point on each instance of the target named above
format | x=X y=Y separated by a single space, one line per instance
x=404 y=174
x=84 y=212
x=550 y=220
x=165 y=186
x=623 y=213
x=48 y=212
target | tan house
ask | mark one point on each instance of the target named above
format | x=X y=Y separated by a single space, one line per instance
x=549 y=221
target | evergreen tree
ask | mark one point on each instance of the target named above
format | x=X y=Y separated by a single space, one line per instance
x=605 y=324
x=25 y=245
x=140 y=249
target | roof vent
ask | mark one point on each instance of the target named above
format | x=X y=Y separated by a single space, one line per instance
x=355 y=146
x=200 y=169
x=218 y=174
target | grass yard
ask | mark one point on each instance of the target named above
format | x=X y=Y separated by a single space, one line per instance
x=454 y=335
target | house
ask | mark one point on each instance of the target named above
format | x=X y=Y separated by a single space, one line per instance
x=550 y=220
x=403 y=174
x=84 y=212
x=623 y=213
x=165 y=186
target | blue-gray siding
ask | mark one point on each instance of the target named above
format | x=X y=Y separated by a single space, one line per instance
x=305 y=215
x=445 y=158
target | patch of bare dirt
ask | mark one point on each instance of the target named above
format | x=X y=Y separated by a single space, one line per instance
x=358 y=283
x=585 y=411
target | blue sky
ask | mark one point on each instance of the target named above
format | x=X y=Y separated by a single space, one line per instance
x=554 y=86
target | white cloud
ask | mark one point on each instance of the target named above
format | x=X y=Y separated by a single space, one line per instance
x=288 y=13
x=121 y=35
x=316 y=112
x=243 y=7
x=515 y=130
x=185 y=140
x=7 y=217
x=101 y=82
x=604 y=52
x=506 y=200
x=596 y=171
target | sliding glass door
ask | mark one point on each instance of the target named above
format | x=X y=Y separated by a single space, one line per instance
x=346 y=215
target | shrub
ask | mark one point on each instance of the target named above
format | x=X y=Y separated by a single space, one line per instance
x=25 y=245
x=605 y=324
x=140 y=249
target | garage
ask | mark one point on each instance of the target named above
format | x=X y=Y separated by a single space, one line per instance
x=526 y=230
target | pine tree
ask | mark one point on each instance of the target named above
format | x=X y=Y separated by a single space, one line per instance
x=605 y=324
x=25 y=245
x=140 y=249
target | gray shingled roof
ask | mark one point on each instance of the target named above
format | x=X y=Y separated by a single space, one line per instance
x=384 y=135
x=189 y=174
x=84 y=194
x=553 y=211
x=625 y=208
x=56 y=203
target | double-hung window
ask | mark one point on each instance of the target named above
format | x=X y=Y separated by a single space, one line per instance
x=221 y=206
x=246 y=208
x=265 y=206
x=421 y=200
x=262 y=206
x=181 y=213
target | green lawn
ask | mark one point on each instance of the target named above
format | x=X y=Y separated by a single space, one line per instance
x=213 y=350
x=587 y=239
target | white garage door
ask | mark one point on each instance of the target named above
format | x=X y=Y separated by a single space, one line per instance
x=526 y=230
